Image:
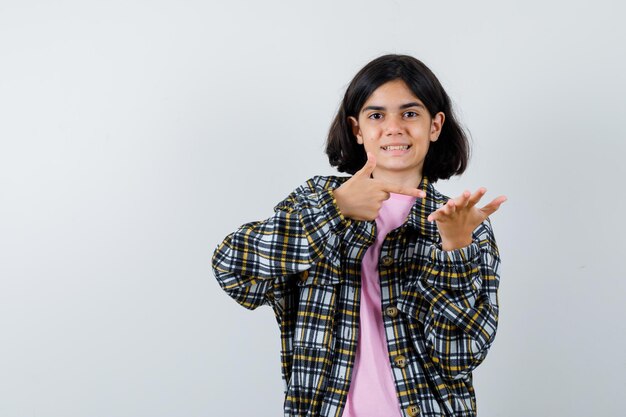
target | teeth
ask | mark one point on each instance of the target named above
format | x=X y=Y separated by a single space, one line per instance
x=394 y=148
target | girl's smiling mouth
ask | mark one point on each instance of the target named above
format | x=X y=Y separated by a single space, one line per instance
x=395 y=147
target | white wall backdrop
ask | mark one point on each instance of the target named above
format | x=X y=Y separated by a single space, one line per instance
x=135 y=135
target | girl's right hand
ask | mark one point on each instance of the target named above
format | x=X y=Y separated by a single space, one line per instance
x=361 y=197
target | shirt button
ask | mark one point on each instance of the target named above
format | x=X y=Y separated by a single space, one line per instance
x=391 y=311
x=387 y=260
x=400 y=361
x=304 y=275
x=412 y=410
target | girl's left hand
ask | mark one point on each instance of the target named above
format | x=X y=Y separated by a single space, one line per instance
x=458 y=218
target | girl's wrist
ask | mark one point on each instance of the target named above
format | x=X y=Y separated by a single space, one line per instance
x=452 y=244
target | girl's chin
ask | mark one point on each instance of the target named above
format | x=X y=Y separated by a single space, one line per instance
x=396 y=162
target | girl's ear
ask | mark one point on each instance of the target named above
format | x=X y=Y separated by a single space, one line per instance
x=435 y=126
x=355 y=129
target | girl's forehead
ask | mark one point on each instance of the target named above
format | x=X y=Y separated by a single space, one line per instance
x=392 y=92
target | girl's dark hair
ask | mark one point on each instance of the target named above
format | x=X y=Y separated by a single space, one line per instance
x=447 y=156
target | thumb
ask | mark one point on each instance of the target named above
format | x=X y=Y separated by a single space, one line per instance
x=369 y=166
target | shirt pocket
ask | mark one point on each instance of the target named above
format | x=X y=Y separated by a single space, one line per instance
x=315 y=317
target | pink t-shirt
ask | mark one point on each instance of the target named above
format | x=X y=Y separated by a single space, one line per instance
x=372 y=389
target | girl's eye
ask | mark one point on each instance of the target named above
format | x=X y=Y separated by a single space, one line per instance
x=371 y=116
x=411 y=113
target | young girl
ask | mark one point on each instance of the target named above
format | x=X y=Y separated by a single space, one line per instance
x=385 y=290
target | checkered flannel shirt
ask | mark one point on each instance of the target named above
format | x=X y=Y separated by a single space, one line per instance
x=440 y=308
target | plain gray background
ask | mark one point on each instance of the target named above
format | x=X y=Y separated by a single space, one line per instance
x=135 y=135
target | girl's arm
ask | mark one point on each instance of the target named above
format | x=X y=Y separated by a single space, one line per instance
x=455 y=299
x=253 y=264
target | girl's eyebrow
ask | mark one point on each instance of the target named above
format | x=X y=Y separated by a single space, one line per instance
x=404 y=106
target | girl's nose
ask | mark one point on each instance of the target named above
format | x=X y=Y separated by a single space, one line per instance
x=393 y=126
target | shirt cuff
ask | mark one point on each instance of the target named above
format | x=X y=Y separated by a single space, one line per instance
x=322 y=224
x=337 y=221
x=456 y=269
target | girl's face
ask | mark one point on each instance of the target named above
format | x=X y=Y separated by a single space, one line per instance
x=394 y=117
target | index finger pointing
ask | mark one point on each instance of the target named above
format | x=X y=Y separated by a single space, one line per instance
x=399 y=189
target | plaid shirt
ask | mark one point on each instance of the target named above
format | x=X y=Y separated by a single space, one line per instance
x=440 y=308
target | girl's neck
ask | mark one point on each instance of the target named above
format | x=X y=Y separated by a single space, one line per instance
x=409 y=179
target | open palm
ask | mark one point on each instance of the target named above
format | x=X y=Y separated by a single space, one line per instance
x=457 y=219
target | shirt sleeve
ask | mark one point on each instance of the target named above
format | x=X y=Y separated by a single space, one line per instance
x=254 y=263
x=456 y=299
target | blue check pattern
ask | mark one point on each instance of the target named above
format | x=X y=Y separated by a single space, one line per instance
x=440 y=308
